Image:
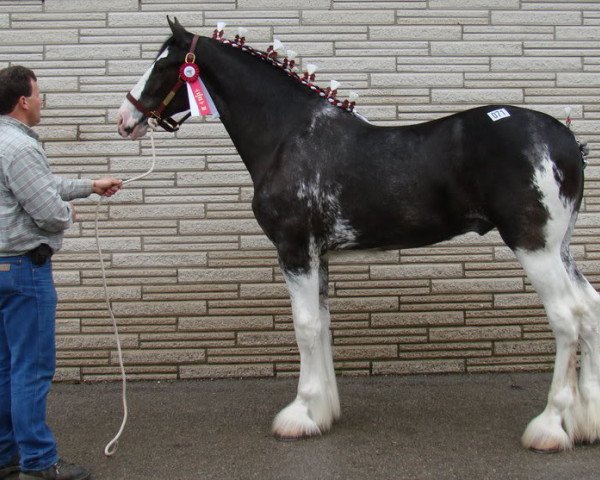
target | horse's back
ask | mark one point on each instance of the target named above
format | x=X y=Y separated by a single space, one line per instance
x=473 y=171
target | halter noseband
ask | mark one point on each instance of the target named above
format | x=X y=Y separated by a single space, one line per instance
x=168 y=123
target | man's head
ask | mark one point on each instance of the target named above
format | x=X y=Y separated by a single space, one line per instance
x=20 y=95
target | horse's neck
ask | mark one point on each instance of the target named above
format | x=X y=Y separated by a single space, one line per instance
x=259 y=106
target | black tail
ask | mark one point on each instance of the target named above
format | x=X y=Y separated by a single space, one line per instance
x=584 y=150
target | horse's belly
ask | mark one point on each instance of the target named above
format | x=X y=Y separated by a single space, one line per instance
x=398 y=232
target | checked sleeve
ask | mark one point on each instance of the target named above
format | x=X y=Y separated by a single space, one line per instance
x=35 y=188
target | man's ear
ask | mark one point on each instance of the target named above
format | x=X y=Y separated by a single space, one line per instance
x=22 y=103
x=180 y=34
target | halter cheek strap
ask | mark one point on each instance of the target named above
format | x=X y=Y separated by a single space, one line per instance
x=168 y=123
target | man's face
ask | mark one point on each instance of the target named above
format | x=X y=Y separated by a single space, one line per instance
x=34 y=102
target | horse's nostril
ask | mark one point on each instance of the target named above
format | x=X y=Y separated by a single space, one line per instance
x=124 y=131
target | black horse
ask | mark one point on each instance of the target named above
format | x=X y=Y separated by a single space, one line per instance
x=325 y=179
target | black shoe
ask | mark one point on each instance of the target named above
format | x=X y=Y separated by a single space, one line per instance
x=59 y=471
x=10 y=468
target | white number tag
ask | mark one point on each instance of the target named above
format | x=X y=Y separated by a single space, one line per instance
x=498 y=114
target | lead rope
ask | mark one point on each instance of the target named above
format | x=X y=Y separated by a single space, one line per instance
x=111 y=446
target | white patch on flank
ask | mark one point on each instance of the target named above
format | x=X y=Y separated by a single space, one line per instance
x=559 y=208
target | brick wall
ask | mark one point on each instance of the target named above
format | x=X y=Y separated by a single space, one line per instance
x=195 y=284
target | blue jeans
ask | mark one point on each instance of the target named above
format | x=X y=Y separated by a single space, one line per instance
x=27 y=361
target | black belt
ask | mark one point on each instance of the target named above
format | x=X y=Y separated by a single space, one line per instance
x=40 y=254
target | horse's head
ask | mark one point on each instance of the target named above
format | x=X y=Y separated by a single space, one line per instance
x=155 y=86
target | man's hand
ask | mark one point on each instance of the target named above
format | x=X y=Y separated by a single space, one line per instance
x=107 y=186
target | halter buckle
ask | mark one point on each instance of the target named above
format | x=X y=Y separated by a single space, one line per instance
x=169 y=124
x=190 y=58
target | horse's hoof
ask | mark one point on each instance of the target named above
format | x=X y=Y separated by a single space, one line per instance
x=549 y=450
x=294 y=423
x=543 y=435
x=291 y=432
x=547 y=444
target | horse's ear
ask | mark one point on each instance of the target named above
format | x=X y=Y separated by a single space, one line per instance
x=179 y=33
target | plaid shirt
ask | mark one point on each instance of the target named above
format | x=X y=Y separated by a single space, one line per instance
x=34 y=206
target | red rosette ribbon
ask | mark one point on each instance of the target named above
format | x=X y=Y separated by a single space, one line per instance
x=199 y=99
x=189 y=72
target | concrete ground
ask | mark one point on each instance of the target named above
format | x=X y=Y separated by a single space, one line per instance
x=420 y=427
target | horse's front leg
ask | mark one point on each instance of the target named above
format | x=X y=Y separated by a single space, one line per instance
x=325 y=318
x=316 y=404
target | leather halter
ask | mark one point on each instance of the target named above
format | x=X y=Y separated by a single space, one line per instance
x=168 y=123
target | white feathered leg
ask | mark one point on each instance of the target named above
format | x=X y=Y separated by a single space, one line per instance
x=558 y=293
x=331 y=388
x=316 y=404
x=587 y=411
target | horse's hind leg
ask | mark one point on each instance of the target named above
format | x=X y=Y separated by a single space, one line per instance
x=586 y=416
x=316 y=404
x=573 y=307
x=561 y=299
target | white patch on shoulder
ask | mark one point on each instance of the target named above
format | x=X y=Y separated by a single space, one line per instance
x=323 y=201
x=310 y=192
x=343 y=235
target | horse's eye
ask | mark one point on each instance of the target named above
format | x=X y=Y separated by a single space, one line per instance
x=160 y=65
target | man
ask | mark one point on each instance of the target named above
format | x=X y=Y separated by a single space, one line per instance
x=34 y=213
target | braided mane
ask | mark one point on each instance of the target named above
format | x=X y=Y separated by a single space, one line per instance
x=288 y=66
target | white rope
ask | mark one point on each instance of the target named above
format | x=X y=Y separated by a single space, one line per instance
x=111 y=447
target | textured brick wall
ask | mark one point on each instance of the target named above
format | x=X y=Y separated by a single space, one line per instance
x=195 y=285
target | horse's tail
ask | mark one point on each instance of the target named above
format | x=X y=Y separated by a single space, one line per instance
x=584 y=150
x=582 y=144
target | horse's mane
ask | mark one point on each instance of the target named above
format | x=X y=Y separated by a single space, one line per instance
x=287 y=66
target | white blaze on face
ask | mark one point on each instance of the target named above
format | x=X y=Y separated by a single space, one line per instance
x=129 y=116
